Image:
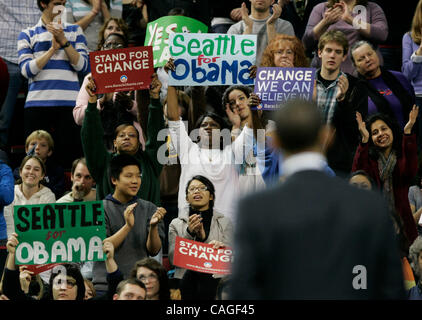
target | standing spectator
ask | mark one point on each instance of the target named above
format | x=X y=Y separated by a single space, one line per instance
x=6 y=197
x=390 y=159
x=341 y=16
x=287 y=252
x=112 y=25
x=412 y=61
x=50 y=58
x=201 y=222
x=225 y=14
x=14 y=17
x=90 y=16
x=262 y=23
x=389 y=92
x=134 y=226
x=126 y=140
x=135 y=14
x=339 y=96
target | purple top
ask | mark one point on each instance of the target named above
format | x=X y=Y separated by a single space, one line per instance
x=374 y=15
x=379 y=84
x=412 y=64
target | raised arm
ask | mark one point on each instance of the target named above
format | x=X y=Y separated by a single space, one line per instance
x=117 y=238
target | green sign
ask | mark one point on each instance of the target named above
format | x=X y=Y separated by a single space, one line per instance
x=158 y=33
x=60 y=232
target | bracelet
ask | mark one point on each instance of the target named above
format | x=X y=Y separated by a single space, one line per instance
x=66 y=44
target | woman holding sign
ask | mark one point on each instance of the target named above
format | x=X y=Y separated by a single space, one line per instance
x=30 y=189
x=201 y=222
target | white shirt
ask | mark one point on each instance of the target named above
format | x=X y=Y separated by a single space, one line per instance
x=303 y=161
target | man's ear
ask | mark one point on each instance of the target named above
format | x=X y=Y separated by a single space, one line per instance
x=320 y=53
x=114 y=181
x=326 y=137
x=50 y=152
x=115 y=296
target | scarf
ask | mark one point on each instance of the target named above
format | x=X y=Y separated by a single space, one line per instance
x=206 y=219
x=386 y=167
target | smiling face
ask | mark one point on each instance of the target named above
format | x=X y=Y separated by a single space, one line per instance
x=198 y=196
x=284 y=55
x=128 y=184
x=32 y=173
x=239 y=101
x=127 y=140
x=332 y=55
x=150 y=279
x=366 y=61
x=381 y=135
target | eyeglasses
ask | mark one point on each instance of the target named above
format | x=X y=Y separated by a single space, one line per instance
x=112 y=45
x=58 y=282
x=200 y=189
x=151 y=277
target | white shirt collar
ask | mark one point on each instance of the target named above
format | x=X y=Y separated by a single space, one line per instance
x=303 y=161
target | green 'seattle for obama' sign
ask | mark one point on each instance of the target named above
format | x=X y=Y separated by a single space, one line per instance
x=158 y=32
x=60 y=232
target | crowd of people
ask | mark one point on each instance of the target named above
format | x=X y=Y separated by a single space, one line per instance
x=218 y=146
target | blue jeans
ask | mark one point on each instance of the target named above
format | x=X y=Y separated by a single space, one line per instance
x=6 y=113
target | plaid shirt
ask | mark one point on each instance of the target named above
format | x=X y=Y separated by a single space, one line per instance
x=15 y=15
x=326 y=97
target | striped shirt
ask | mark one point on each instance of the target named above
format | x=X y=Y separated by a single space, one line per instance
x=326 y=97
x=56 y=85
x=77 y=9
x=14 y=17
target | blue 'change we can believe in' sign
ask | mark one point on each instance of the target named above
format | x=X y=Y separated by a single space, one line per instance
x=275 y=86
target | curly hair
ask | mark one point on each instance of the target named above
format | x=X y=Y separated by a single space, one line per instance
x=300 y=60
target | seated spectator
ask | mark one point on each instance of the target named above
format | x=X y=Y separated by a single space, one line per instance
x=261 y=22
x=389 y=92
x=340 y=15
x=66 y=281
x=201 y=222
x=115 y=107
x=90 y=292
x=29 y=189
x=415 y=256
x=90 y=16
x=150 y=272
x=41 y=144
x=6 y=197
x=126 y=140
x=390 y=159
x=412 y=61
x=361 y=179
x=141 y=231
x=130 y=289
x=82 y=183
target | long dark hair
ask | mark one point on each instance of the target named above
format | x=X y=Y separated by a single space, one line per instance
x=207 y=183
x=393 y=125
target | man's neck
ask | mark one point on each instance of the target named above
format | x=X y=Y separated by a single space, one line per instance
x=45 y=18
x=122 y=198
x=260 y=15
x=329 y=75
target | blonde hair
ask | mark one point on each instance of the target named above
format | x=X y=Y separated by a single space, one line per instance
x=417 y=24
x=40 y=134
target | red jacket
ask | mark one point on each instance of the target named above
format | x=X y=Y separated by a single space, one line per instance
x=404 y=172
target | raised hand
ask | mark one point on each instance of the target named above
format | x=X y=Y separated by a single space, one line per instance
x=253 y=100
x=277 y=8
x=346 y=16
x=129 y=216
x=108 y=249
x=233 y=116
x=170 y=65
x=343 y=86
x=155 y=87
x=157 y=216
x=362 y=128
x=246 y=19
x=196 y=226
x=413 y=115
x=12 y=243
x=25 y=278
x=332 y=15
x=252 y=71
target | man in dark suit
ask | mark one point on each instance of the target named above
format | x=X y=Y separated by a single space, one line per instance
x=313 y=236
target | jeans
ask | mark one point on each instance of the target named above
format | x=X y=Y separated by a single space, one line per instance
x=6 y=113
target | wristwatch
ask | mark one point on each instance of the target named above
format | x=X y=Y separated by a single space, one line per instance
x=66 y=44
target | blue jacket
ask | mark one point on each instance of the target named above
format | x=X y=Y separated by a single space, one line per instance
x=7 y=194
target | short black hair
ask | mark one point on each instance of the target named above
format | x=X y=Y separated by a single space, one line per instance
x=207 y=183
x=46 y=2
x=119 y=161
x=298 y=124
x=121 y=36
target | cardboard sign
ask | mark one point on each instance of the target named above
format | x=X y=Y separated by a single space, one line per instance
x=275 y=86
x=211 y=59
x=202 y=257
x=125 y=69
x=60 y=232
x=158 y=32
